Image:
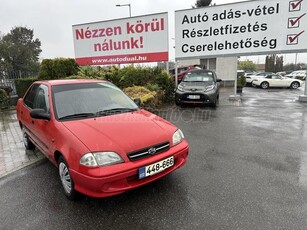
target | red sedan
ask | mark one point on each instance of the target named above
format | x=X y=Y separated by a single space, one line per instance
x=102 y=143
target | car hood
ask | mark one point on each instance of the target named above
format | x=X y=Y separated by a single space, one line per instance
x=122 y=133
x=187 y=86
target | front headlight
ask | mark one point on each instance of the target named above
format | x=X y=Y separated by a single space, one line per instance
x=209 y=87
x=177 y=137
x=88 y=160
x=180 y=88
x=100 y=159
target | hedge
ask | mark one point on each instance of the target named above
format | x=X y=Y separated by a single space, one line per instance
x=148 y=98
x=148 y=77
x=23 y=84
x=57 y=68
x=4 y=99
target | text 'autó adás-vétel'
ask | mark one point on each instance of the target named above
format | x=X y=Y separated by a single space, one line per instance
x=228 y=29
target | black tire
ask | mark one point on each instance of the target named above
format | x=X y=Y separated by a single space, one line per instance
x=265 y=85
x=177 y=102
x=26 y=141
x=295 y=85
x=214 y=104
x=68 y=185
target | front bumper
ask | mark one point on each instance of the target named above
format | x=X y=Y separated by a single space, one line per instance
x=248 y=80
x=204 y=97
x=109 y=185
x=256 y=83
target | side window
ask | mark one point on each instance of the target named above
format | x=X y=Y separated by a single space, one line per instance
x=180 y=70
x=172 y=71
x=41 y=98
x=29 y=98
x=269 y=77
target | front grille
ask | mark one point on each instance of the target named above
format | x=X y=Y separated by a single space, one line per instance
x=143 y=153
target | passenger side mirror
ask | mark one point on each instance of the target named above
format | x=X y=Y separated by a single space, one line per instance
x=40 y=114
x=137 y=101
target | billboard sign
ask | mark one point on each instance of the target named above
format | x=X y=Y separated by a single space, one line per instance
x=245 y=28
x=128 y=40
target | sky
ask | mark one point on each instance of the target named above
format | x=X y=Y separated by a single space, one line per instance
x=52 y=20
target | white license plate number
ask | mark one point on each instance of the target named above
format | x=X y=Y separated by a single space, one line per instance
x=194 y=97
x=155 y=168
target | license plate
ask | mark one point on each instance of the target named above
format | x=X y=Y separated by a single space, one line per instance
x=155 y=168
x=194 y=97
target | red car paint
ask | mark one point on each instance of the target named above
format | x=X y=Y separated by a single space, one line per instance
x=121 y=133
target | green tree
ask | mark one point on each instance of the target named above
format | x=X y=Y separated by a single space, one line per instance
x=19 y=50
x=58 y=68
x=266 y=63
x=270 y=63
x=279 y=64
x=247 y=65
x=202 y=3
x=274 y=63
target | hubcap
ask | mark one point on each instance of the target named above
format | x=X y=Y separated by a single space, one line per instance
x=294 y=85
x=65 y=177
x=264 y=85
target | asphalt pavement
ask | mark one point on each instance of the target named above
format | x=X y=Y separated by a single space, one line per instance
x=247 y=169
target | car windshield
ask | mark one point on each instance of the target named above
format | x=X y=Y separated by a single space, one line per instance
x=79 y=101
x=206 y=76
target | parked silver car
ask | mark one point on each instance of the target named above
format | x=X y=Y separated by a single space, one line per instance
x=198 y=87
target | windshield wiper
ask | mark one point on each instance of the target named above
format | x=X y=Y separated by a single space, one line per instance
x=77 y=115
x=114 y=111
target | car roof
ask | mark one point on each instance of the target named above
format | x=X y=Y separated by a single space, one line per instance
x=70 y=81
x=199 y=70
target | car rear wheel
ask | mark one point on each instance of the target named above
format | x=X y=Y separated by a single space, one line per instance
x=295 y=85
x=26 y=141
x=67 y=182
x=264 y=85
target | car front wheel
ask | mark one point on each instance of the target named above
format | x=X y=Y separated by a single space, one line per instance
x=67 y=182
x=264 y=85
x=295 y=85
x=214 y=104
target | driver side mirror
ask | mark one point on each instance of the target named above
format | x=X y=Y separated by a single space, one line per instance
x=40 y=114
x=137 y=101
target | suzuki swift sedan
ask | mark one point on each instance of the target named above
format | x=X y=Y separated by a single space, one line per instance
x=102 y=143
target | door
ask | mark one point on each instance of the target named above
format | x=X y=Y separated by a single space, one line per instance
x=37 y=130
x=277 y=81
x=42 y=128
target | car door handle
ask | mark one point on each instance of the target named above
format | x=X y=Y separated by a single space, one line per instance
x=32 y=122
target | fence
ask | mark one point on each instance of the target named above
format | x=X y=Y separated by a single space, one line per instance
x=7 y=79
